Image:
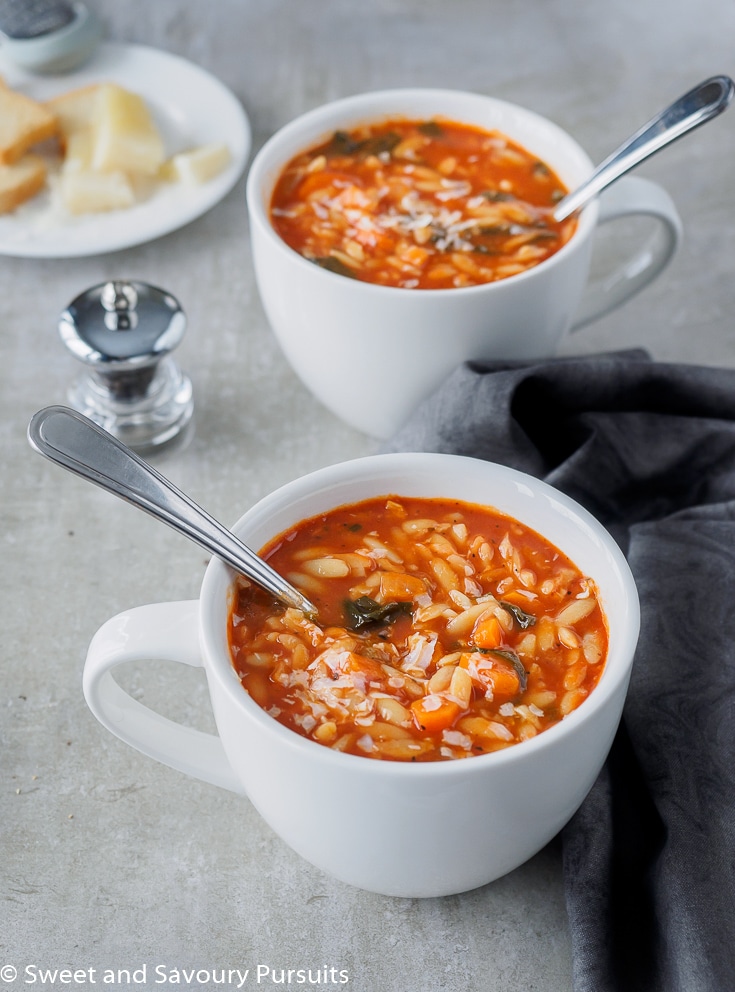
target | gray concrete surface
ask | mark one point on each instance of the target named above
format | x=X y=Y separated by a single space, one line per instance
x=108 y=860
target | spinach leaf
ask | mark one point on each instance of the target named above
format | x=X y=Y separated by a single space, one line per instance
x=524 y=620
x=334 y=265
x=489 y=230
x=496 y=195
x=515 y=661
x=364 y=611
x=342 y=144
x=431 y=129
x=379 y=144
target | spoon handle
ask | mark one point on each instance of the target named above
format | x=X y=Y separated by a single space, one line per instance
x=689 y=111
x=79 y=445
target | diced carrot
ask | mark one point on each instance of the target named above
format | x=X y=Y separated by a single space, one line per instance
x=415 y=255
x=504 y=681
x=371 y=669
x=487 y=632
x=399 y=587
x=434 y=713
x=371 y=237
x=317 y=181
x=513 y=596
x=492 y=673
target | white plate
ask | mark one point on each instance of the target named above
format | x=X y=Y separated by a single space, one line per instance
x=190 y=107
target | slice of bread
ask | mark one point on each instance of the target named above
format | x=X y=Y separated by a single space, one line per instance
x=23 y=123
x=20 y=181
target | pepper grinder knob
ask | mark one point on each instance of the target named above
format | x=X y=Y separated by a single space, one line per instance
x=124 y=333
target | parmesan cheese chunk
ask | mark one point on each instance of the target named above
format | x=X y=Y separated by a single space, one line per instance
x=84 y=191
x=79 y=149
x=125 y=137
x=198 y=165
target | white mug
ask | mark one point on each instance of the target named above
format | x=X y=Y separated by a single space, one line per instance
x=371 y=353
x=425 y=829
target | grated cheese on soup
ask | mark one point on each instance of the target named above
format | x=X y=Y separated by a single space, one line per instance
x=426 y=646
x=420 y=205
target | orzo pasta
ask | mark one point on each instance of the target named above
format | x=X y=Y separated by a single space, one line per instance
x=444 y=630
x=420 y=204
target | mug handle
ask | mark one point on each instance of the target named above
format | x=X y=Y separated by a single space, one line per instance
x=165 y=632
x=632 y=195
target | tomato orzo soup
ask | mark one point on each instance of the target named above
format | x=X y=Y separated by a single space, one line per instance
x=444 y=630
x=420 y=204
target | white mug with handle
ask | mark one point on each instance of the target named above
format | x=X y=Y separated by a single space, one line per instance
x=371 y=353
x=425 y=829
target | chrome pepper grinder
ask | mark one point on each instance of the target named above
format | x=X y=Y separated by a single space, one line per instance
x=124 y=333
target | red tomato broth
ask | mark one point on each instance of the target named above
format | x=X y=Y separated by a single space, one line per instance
x=420 y=204
x=484 y=634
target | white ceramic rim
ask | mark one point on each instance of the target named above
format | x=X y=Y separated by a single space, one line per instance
x=219 y=577
x=317 y=125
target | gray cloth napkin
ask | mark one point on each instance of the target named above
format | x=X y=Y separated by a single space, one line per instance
x=649 y=449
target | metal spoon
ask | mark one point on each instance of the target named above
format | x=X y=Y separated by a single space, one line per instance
x=81 y=446
x=694 y=108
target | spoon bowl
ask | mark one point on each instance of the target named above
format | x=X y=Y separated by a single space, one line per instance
x=695 y=107
x=79 y=445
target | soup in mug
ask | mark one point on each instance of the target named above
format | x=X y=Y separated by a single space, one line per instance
x=420 y=205
x=444 y=630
